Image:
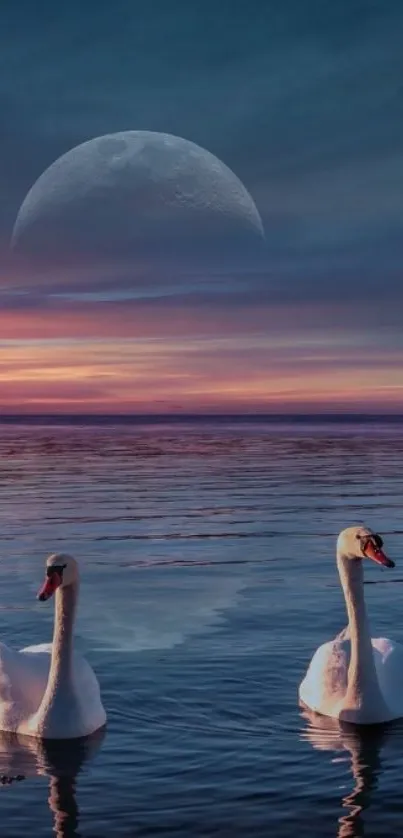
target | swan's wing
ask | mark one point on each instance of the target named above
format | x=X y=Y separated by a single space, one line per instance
x=22 y=674
x=325 y=682
x=388 y=657
x=40 y=648
x=87 y=690
x=23 y=679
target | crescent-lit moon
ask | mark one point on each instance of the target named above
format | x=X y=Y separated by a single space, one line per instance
x=135 y=192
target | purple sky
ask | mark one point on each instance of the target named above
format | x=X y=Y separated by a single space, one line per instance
x=302 y=102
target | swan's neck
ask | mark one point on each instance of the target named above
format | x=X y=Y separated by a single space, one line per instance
x=57 y=713
x=62 y=648
x=362 y=682
x=58 y=699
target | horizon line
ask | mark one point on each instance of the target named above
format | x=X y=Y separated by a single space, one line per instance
x=98 y=418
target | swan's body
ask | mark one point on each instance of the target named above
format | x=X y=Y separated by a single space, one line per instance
x=50 y=691
x=355 y=678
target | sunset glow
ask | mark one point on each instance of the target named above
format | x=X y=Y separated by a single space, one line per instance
x=228 y=242
x=193 y=375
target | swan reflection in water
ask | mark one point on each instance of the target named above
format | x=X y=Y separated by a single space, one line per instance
x=60 y=760
x=363 y=745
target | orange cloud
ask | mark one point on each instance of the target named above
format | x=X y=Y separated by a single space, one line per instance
x=192 y=374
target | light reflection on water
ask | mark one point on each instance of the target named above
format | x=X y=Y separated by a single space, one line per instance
x=24 y=757
x=208 y=580
x=363 y=751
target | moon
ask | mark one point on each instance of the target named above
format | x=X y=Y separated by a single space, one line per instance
x=136 y=193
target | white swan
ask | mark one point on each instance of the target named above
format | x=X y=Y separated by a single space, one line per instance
x=50 y=691
x=353 y=678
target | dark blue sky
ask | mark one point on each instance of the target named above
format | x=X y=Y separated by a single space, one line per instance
x=301 y=98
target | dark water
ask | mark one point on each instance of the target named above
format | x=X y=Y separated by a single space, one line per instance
x=208 y=580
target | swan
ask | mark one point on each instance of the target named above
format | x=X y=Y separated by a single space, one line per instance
x=355 y=678
x=49 y=691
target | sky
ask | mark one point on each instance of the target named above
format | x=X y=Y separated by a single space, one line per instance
x=303 y=102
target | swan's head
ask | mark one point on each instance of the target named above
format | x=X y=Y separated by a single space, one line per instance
x=61 y=570
x=362 y=543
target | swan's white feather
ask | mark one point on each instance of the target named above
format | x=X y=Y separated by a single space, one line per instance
x=366 y=688
x=23 y=680
x=389 y=669
x=325 y=682
x=83 y=712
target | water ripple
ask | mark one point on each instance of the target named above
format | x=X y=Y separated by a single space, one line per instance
x=208 y=580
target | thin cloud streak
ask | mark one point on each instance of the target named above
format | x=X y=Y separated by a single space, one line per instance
x=221 y=374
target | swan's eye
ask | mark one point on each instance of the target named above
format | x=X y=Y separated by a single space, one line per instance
x=375 y=540
x=55 y=568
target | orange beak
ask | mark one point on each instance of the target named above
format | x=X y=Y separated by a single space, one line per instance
x=50 y=585
x=377 y=555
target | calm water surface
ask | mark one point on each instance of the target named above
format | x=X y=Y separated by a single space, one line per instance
x=208 y=580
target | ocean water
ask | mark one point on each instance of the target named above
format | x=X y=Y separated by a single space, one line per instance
x=207 y=557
